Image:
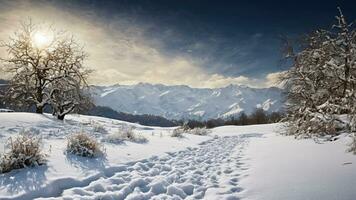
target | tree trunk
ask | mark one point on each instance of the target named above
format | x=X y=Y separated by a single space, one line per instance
x=60 y=117
x=347 y=74
x=39 y=109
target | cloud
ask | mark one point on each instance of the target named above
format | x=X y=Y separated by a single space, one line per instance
x=274 y=79
x=118 y=49
x=270 y=80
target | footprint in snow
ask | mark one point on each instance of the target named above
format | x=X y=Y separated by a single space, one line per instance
x=185 y=174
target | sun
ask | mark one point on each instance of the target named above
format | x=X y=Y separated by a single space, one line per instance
x=41 y=39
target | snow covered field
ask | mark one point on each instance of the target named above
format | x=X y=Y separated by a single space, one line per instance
x=249 y=162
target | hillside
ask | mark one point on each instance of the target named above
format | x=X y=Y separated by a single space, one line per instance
x=233 y=162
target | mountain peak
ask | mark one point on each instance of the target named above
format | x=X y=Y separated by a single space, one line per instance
x=182 y=102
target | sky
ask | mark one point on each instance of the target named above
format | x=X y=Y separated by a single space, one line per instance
x=179 y=42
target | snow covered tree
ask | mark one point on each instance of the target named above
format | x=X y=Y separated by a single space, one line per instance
x=44 y=63
x=243 y=119
x=65 y=96
x=321 y=82
x=68 y=90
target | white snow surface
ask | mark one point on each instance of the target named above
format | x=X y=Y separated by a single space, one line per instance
x=177 y=102
x=233 y=162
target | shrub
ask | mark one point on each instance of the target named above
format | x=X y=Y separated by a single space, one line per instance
x=125 y=133
x=178 y=132
x=82 y=144
x=25 y=151
x=99 y=128
x=352 y=145
x=199 y=131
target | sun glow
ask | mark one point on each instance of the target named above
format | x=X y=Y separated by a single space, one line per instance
x=41 y=40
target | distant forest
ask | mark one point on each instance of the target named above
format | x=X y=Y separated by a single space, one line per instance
x=259 y=116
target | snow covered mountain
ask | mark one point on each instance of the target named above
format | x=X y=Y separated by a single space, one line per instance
x=177 y=102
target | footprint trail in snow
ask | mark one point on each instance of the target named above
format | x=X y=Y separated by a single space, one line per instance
x=210 y=171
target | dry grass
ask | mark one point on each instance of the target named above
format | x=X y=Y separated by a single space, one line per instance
x=99 y=128
x=199 y=131
x=125 y=133
x=352 y=145
x=24 y=151
x=82 y=144
x=178 y=132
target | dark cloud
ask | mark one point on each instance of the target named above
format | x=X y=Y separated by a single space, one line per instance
x=222 y=40
x=229 y=37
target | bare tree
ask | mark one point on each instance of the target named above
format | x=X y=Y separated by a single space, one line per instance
x=319 y=84
x=45 y=69
x=66 y=95
x=68 y=87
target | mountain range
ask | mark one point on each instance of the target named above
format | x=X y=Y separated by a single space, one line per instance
x=184 y=102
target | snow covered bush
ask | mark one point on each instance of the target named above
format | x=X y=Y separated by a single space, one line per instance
x=82 y=144
x=24 y=151
x=125 y=133
x=199 y=131
x=178 y=132
x=99 y=128
x=321 y=83
x=352 y=145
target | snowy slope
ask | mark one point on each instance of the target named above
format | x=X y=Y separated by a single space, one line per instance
x=281 y=167
x=63 y=171
x=234 y=162
x=177 y=102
